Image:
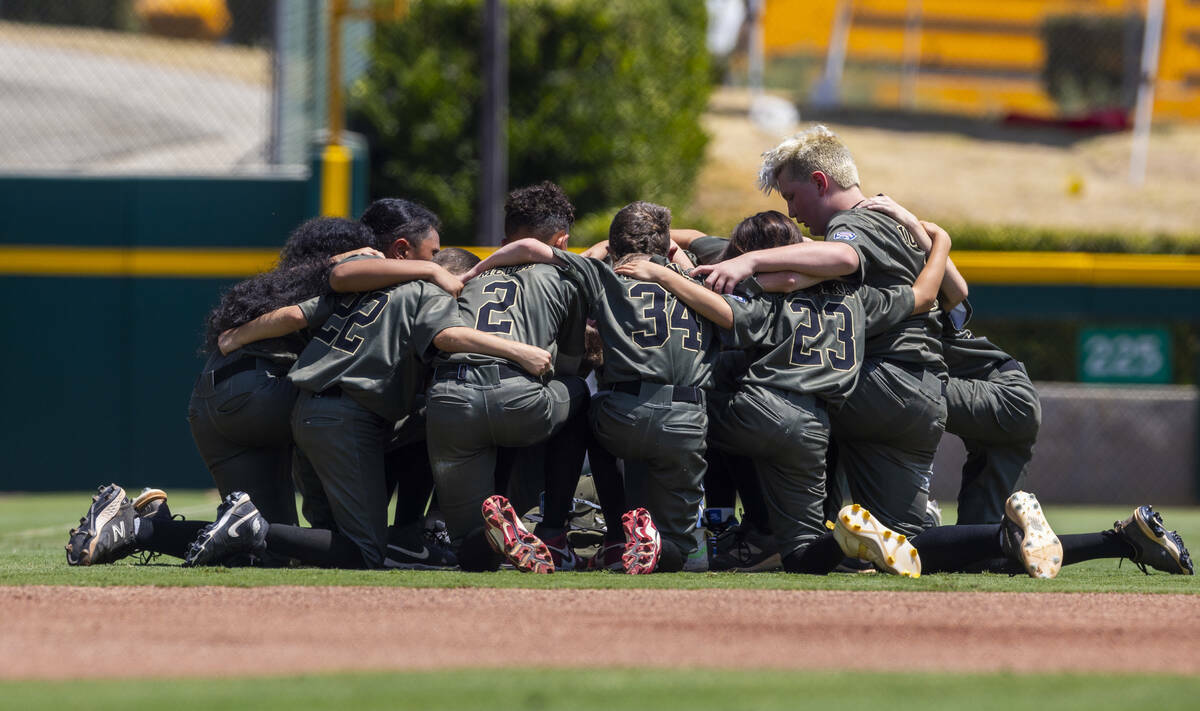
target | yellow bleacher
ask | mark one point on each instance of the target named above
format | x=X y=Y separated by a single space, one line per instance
x=977 y=57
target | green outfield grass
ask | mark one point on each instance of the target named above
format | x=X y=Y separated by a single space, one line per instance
x=33 y=530
x=609 y=690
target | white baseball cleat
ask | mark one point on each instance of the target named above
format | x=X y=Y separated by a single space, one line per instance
x=1026 y=536
x=863 y=536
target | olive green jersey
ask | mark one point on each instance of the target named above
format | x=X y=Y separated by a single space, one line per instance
x=285 y=350
x=530 y=303
x=708 y=249
x=810 y=341
x=889 y=256
x=375 y=345
x=648 y=334
x=967 y=355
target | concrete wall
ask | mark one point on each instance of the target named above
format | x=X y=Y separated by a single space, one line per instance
x=1103 y=445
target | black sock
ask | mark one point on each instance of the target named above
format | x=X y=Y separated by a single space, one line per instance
x=1078 y=547
x=168 y=537
x=670 y=560
x=475 y=555
x=817 y=558
x=314 y=546
x=610 y=489
x=754 y=505
x=564 y=462
x=948 y=549
x=719 y=489
x=408 y=468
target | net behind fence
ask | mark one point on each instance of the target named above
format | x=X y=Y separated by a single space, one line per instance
x=163 y=86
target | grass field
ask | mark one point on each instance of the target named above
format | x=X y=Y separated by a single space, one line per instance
x=33 y=531
x=606 y=690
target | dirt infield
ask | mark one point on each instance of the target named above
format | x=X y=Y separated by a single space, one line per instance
x=60 y=633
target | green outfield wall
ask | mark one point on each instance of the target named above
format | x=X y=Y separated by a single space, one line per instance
x=108 y=281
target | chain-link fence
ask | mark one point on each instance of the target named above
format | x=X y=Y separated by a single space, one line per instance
x=164 y=86
x=1028 y=59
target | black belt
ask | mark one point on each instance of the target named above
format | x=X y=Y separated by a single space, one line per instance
x=679 y=393
x=331 y=391
x=241 y=365
x=1010 y=364
x=459 y=372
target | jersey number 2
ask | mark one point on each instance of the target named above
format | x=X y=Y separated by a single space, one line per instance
x=361 y=310
x=491 y=315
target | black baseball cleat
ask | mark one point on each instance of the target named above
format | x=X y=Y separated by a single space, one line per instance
x=152 y=504
x=1026 y=537
x=239 y=530
x=743 y=549
x=1153 y=544
x=414 y=548
x=105 y=533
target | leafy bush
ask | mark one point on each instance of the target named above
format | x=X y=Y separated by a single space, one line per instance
x=604 y=98
x=992 y=238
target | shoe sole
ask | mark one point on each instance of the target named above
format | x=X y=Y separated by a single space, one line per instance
x=766 y=565
x=643 y=544
x=861 y=535
x=1041 y=552
x=397 y=565
x=148 y=496
x=1153 y=529
x=509 y=538
x=106 y=515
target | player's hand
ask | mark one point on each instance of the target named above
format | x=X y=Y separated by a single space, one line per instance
x=361 y=251
x=443 y=278
x=642 y=270
x=227 y=342
x=679 y=256
x=724 y=276
x=596 y=251
x=534 y=360
x=935 y=230
x=896 y=211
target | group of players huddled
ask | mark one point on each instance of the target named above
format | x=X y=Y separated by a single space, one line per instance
x=811 y=380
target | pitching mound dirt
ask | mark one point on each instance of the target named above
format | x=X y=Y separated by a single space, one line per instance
x=59 y=633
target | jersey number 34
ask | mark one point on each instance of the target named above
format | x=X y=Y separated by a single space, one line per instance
x=659 y=324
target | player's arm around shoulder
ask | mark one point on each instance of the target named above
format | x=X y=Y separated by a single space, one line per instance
x=693 y=293
x=823 y=259
x=523 y=251
x=273 y=324
x=930 y=281
x=368 y=274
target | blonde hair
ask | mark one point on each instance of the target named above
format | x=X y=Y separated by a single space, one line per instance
x=816 y=148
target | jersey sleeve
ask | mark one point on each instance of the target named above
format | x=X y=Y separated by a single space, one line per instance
x=356 y=257
x=845 y=231
x=751 y=322
x=885 y=307
x=317 y=309
x=436 y=311
x=585 y=272
x=708 y=249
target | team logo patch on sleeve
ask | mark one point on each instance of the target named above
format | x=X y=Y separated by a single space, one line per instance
x=843 y=235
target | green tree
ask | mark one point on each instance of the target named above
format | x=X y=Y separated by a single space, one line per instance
x=604 y=98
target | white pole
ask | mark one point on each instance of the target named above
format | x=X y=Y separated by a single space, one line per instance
x=912 y=54
x=755 y=69
x=827 y=90
x=1145 y=98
